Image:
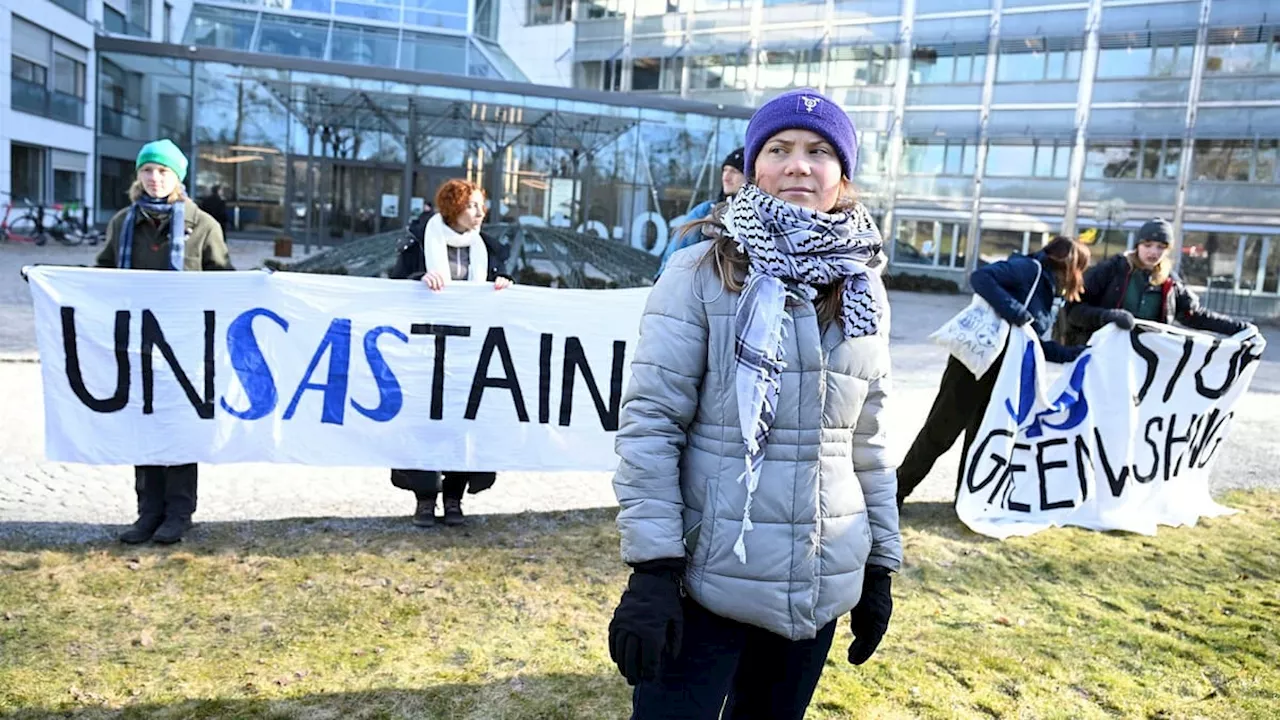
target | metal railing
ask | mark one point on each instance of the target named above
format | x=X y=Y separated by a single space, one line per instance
x=40 y=100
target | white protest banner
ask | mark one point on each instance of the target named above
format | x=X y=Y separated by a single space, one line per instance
x=1124 y=440
x=165 y=368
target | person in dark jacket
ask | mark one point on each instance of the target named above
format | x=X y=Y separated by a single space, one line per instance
x=1141 y=284
x=962 y=399
x=163 y=230
x=732 y=178
x=451 y=248
x=216 y=206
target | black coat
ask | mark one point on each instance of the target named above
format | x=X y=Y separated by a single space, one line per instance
x=411 y=264
x=1104 y=288
x=1006 y=284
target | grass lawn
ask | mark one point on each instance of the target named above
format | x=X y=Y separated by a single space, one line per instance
x=506 y=619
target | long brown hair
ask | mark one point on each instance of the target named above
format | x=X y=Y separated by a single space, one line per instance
x=1068 y=258
x=1159 y=273
x=730 y=263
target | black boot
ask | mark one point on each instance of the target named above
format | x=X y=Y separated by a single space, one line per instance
x=179 y=504
x=149 y=485
x=425 y=515
x=453 y=511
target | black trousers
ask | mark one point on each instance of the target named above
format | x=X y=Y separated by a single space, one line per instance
x=750 y=672
x=452 y=485
x=165 y=490
x=958 y=408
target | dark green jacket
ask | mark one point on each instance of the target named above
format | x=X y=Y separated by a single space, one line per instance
x=206 y=249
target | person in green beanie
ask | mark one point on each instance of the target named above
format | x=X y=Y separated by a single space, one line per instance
x=163 y=230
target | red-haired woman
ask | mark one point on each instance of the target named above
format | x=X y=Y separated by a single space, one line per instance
x=451 y=249
x=1055 y=271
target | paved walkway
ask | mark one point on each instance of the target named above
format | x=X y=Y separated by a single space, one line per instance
x=72 y=501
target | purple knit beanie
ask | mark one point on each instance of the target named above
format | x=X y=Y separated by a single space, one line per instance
x=804 y=109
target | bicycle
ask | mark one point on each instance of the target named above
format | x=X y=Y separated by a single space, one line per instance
x=71 y=230
x=22 y=228
x=39 y=223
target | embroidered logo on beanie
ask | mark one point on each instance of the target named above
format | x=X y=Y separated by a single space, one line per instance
x=809 y=103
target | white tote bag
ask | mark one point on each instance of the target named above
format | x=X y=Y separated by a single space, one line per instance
x=977 y=334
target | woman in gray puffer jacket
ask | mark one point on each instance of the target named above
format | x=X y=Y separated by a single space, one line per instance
x=757 y=496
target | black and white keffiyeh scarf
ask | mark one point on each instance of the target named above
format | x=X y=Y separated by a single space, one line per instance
x=791 y=250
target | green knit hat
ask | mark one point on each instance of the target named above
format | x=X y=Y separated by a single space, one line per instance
x=163 y=152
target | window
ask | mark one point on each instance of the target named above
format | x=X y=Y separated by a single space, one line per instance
x=602 y=75
x=76 y=7
x=1008 y=160
x=1116 y=160
x=646 y=74
x=26 y=172
x=964 y=63
x=113 y=20
x=1249 y=160
x=1034 y=59
x=1145 y=54
x=549 y=12
x=114 y=178
x=280 y=35
x=120 y=101
x=68 y=186
x=859 y=65
x=68 y=76
x=789 y=68
x=139 y=18
x=594 y=9
x=1241 y=51
x=656 y=74
x=716 y=72
x=1147 y=159
x=1053 y=158
x=953 y=157
x=30 y=72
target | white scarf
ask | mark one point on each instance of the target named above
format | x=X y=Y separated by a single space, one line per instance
x=438 y=237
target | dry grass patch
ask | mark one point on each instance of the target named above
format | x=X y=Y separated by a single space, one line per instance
x=506 y=619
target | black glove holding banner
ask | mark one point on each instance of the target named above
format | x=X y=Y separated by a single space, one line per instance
x=870 y=618
x=649 y=621
x=1122 y=318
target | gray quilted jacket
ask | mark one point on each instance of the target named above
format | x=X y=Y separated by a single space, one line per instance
x=826 y=502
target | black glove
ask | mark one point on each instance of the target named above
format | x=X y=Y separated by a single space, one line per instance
x=1022 y=319
x=649 y=621
x=1122 y=318
x=870 y=618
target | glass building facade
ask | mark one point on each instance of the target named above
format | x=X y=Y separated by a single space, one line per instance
x=306 y=148
x=446 y=36
x=986 y=125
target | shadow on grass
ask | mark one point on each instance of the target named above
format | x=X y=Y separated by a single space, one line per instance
x=308 y=536
x=541 y=697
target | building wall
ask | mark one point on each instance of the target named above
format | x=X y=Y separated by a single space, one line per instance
x=57 y=138
x=543 y=52
x=1013 y=118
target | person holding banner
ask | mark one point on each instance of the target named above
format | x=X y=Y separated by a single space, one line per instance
x=1021 y=290
x=731 y=181
x=755 y=482
x=163 y=229
x=451 y=249
x=1141 y=284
